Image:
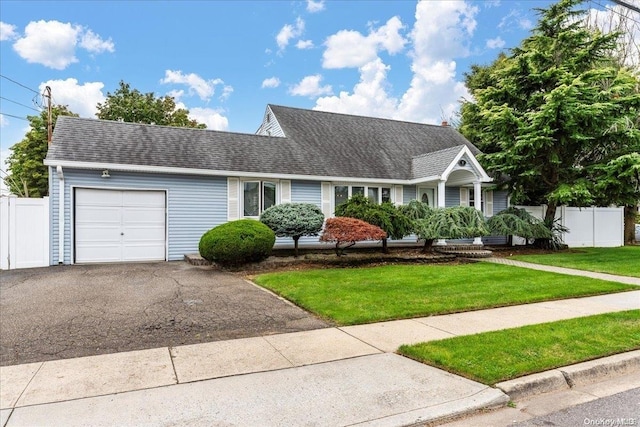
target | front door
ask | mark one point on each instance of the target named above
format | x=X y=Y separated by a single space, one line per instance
x=428 y=195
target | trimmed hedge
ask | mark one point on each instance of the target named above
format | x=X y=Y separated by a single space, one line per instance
x=237 y=242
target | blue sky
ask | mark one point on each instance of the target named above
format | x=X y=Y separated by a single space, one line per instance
x=226 y=60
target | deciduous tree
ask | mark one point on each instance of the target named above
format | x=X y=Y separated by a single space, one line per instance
x=28 y=176
x=130 y=105
x=342 y=230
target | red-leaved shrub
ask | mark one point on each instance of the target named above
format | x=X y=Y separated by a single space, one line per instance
x=349 y=230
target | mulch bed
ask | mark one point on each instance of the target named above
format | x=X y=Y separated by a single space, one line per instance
x=283 y=260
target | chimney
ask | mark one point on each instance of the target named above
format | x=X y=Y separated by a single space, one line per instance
x=445 y=123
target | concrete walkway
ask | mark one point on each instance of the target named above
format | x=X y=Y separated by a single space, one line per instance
x=562 y=270
x=327 y=377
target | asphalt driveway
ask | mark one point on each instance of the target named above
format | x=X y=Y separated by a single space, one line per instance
x=72 y=311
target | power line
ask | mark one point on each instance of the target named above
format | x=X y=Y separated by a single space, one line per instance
x=627 y=5
x=613 y=10
x=23 y=105
x=20 y=84
x=15 y=117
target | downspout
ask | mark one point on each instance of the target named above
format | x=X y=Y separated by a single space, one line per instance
x=61 y=215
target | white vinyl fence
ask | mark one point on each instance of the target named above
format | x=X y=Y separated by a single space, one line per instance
x=588 y=227
x=24 y=232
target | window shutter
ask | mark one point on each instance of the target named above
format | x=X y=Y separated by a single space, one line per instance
x=233 y=205
x=488 y=203
x=326 y=199
x=398 y=195
x=464 y=197
x=285 y=191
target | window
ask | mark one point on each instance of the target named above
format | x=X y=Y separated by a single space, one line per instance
x=258 y=196
x=376 y=194
x=427 y=195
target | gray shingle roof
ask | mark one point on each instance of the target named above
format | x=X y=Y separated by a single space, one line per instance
x=435 y=163
x=316 y=143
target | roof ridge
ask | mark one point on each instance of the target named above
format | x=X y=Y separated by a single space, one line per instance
x=360 y=116
x=114 y=122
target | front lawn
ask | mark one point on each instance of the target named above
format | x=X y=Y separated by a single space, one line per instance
x=492 y=357
x=624 y=261
x=351 y=296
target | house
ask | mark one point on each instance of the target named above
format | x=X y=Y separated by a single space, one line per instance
x=137 y=192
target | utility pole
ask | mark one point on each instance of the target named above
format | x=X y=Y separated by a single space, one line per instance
x=47 y=94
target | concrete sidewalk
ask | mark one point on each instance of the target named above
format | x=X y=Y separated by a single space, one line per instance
x=333 y=377
x=563 y=270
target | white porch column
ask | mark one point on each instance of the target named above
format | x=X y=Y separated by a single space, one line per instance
x=441 y=204
x=441 y=194
x=61 y=214
x=477 y=203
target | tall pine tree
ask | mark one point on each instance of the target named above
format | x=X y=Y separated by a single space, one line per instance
x=551 y=114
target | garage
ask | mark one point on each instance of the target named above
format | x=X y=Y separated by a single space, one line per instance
x=119 y=225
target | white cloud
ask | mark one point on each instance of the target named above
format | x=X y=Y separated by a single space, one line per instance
x=310 y=86
x=514 y=17
x=82 y=99
x=289 y=32
x=205 y=89
x=3 y=121
x=442 y=32
x=50 y=43
x=53 y=43
x=496 y=43
x=349 y=48
x=7 y=31
x=226 y=93
x=271 y=82
x=304 y=44
x=210 y=117
x=369 y=96
x=94 y=43
x=315 y=6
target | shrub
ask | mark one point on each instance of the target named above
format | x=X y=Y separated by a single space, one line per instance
x=384 y=215
x=349 y=230
x=518 y=222
x=450 y=223
x=294 y=220
x=237 y=242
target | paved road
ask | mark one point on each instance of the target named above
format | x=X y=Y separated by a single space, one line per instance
x=618 y=410
x=82 y=310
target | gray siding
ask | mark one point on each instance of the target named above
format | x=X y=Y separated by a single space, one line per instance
x=500 y=201
x=306 y=192
x=194 y=205
x=408 y=193
x=452 y=197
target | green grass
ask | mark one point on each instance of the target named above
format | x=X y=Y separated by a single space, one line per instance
x=624 y=261
x=492 y=357
x=364 y=295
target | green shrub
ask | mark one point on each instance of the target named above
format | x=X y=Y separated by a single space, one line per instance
x=237 y=242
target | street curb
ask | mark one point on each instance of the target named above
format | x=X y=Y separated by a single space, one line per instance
x=571 y=376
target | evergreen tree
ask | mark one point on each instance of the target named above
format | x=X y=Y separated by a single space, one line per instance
x=550 y=114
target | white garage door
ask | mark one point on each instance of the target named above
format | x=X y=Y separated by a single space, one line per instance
x=119 y=225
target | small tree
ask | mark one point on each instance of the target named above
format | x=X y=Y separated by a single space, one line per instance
x=385 y=215
x=294 y=220
x=430 y=224
x=457 y=222
x=518 y=222
x=349 y=230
